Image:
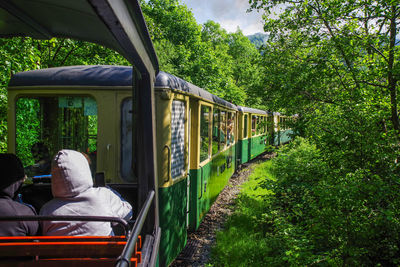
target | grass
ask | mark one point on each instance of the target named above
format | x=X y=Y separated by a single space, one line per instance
x=243 y=242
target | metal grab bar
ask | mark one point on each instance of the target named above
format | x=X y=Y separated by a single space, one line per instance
x=125 y=259
x=69 y=219
x=201 y=183
x=169 y=163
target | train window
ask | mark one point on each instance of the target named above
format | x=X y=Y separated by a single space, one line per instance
x=245 y=126
x=264 y=128
x=259 y=125
x=265 y=124
x=270 y=123
x=177 y=138
x=216 y=133
x=44 y=125
x=222 y=130
x=230 y=128
x=253 y=125
x=126 y=140
x=204 y=133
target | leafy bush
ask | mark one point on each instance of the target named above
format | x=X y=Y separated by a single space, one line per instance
x=297 y=211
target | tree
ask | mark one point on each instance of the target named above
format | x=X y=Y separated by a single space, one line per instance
x=336 y=63
x=353 y=44
x=197 y=53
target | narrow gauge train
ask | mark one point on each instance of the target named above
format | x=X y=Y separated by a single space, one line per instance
x=200 y=138
x=118 y=25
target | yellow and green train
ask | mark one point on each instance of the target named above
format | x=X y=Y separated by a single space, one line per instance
x=200 y=138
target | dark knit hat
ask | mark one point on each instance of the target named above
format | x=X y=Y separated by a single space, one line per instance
x=11 y=169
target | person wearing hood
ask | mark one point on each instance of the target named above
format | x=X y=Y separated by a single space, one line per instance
x=12 y=176
x=74 y=194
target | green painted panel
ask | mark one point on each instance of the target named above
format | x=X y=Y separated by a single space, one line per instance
x=258 y=145
x=285 y=136
x=206 y=183
x=282 y=137
x=172 y=202
x=243 y=153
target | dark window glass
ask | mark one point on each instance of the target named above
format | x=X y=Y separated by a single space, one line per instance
x=245 y=126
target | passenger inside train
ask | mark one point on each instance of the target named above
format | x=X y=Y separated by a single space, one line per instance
x=11 y=178
x=74 y=194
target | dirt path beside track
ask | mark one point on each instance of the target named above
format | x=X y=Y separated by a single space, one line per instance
x=198 y=247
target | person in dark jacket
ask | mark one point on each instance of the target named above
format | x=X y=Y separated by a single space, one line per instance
x=12 y=176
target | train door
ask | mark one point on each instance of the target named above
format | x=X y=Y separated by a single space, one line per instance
x=172 y=111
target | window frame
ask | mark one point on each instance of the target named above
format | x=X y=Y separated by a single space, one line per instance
x=210 y=124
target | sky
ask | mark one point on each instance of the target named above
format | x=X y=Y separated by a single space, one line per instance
x=230 y=14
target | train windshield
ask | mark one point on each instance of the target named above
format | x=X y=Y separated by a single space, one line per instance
x=45 y=125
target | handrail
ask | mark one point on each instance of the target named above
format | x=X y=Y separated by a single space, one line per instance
x=124 y=259
x=69 y=218
x=201 y=183
x=169 y=163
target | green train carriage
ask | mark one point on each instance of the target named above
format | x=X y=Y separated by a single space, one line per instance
x=283 y=131
x=255 y=133
x=196 y=148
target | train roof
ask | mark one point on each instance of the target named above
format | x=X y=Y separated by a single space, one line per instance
x=106 y=75
x=98 y=75
x=252 y=110
x=166 y=80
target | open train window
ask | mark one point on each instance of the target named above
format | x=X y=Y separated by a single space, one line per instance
x=47 y=124
x=215 y=132
x=205 y=133
x=222 y=130
x=253 y=125
x=230 y=128
x=245 y=126
x=265 y=124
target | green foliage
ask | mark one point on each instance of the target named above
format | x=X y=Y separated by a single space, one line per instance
x=28 y=128
x=258 y=39
x=336 y=64
x=205 y=55
x=312 y=213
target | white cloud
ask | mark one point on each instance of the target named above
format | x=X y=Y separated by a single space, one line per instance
x=229 y=13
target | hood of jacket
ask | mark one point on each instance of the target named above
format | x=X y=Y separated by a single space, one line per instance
x=11 y=174
x=70 y=174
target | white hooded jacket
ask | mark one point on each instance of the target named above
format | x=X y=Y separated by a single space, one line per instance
x=74 y=194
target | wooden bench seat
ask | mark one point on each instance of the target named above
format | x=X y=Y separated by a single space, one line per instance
x=64 y=250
